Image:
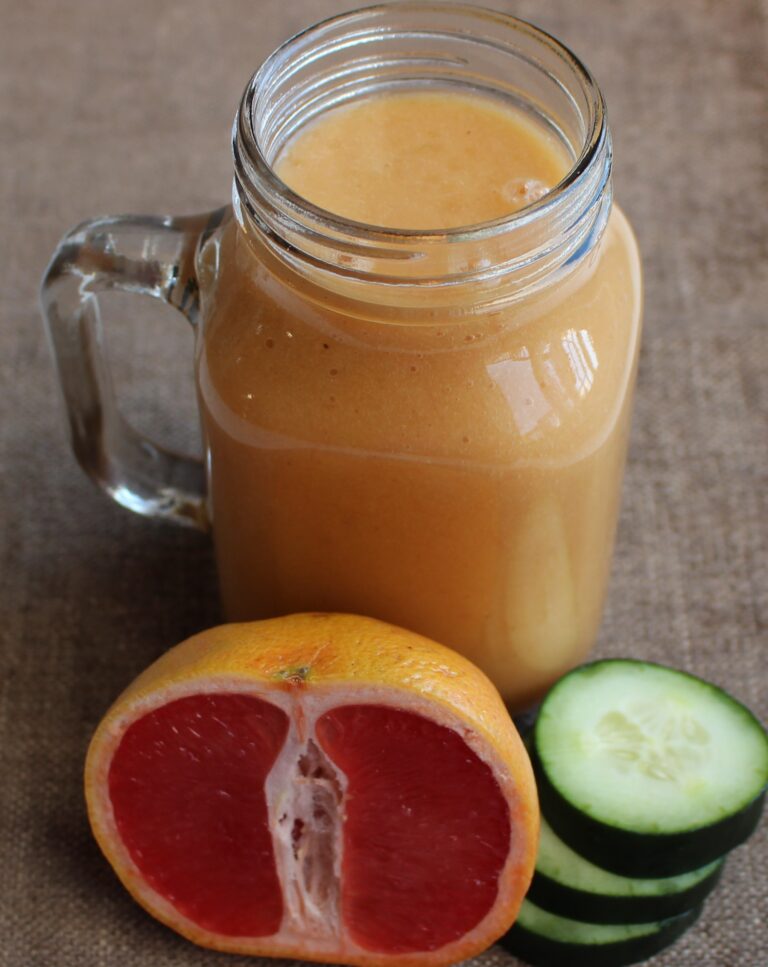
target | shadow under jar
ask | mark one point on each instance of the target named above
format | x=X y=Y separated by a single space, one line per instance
x=425 y=426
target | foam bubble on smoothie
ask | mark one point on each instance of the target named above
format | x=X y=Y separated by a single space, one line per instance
x=519 y=192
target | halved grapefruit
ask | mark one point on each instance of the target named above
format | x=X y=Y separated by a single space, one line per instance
x=326 y=787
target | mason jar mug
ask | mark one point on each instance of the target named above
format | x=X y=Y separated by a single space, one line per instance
x=425 y=426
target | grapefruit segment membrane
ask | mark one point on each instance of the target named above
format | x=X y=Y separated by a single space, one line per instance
x=320 y=786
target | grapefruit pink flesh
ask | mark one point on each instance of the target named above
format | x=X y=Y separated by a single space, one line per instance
x=187 y=790
x=425 y=827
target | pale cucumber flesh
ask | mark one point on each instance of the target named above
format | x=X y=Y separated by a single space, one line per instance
x=648 y=749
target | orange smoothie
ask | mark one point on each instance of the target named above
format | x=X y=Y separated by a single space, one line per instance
x=457 y=474
x=423 y=161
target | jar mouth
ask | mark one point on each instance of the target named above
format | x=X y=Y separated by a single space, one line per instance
x=410 y=44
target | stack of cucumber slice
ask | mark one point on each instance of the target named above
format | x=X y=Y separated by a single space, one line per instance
x=647 y=777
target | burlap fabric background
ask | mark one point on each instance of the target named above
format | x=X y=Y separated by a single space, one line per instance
x=110 y=107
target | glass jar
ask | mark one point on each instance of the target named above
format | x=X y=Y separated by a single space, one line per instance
x=426 y=427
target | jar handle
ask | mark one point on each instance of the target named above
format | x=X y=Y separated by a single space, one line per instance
x=155 y=256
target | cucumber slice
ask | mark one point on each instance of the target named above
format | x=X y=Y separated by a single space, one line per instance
x=545 y=940
x=647 y=771
x=566 y=884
